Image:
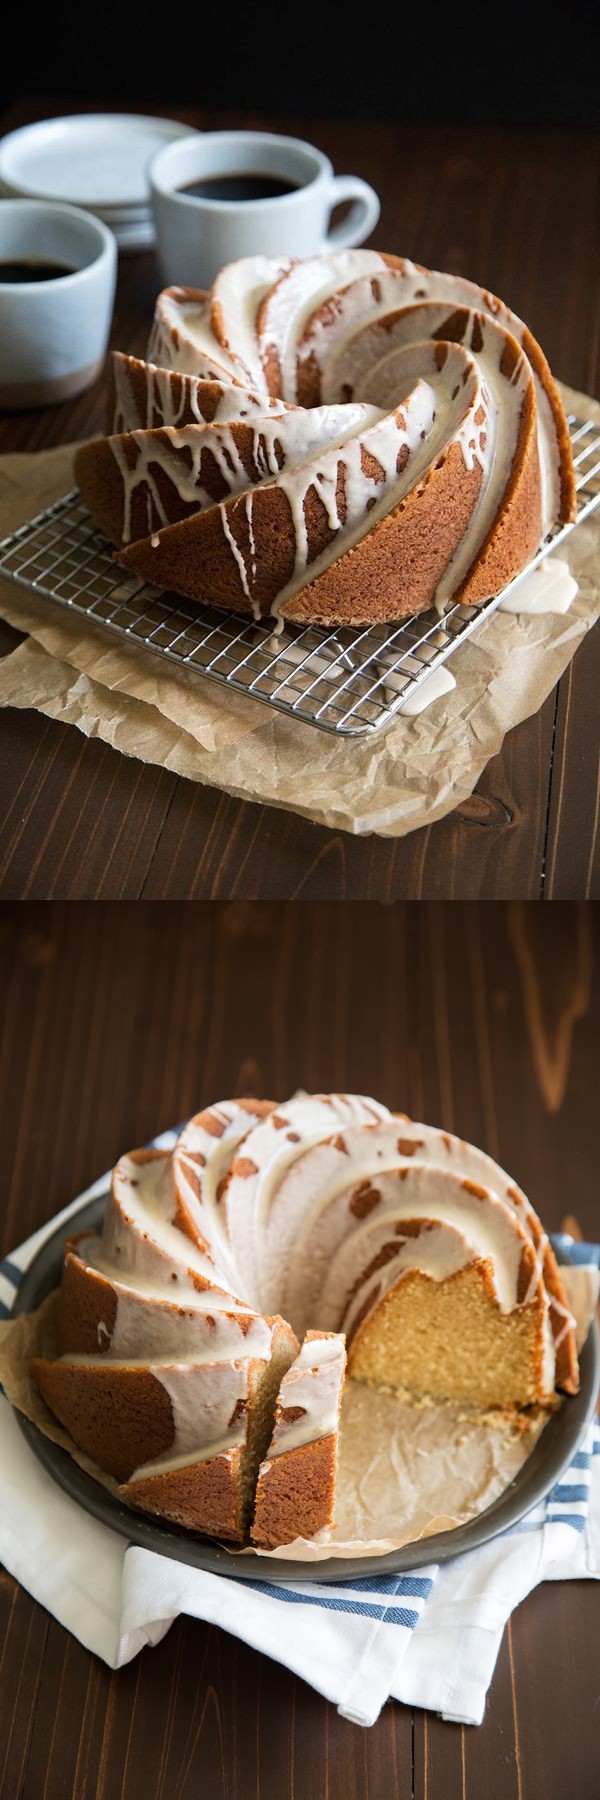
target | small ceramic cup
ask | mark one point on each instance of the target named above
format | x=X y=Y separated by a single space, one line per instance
x=197 y=236
x=53 y=334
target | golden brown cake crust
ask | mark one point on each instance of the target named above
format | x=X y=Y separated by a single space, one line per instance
x=205 y=1497
x=393 y=571
x=88 y=1308
x=122 y=1417
x=296 y=1497
x=568 y=505
x=515 y=532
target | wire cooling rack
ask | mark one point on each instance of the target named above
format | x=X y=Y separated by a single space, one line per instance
x=348 y=681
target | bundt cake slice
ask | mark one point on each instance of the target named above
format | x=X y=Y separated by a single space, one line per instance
x=295 y=1492
x=128 y=1415
x=215 y=1493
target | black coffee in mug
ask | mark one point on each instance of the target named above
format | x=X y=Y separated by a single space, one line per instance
x=245 y=184
x=32 y=268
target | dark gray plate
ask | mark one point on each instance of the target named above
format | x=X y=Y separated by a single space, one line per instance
x=550 y=1457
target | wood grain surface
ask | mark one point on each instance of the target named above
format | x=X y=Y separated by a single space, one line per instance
x=116 y=1021
x=516 y=209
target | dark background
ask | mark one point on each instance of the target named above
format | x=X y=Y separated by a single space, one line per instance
x=118 y=1020
x=510 y=63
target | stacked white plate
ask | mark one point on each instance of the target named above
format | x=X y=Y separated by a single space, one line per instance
x=95 y=160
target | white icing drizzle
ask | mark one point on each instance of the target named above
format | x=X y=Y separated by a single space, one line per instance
x=269 y=441
x=550 y=588
x=209 y=1326
x=169 y=403
x=441 y=681
x=139 y=1285
x=368 y=460
x=240 y=560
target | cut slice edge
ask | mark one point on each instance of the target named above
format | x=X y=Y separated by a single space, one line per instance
x=215 y=1494
x=295 y=1489
x=451 y=1341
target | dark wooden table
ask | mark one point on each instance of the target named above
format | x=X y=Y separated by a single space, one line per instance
x=116 y=1021
x=515 y=208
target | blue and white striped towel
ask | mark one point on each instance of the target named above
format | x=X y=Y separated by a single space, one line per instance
x=430 y=1639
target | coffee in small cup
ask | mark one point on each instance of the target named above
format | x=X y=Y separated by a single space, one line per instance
x=221 y=195
x=57 y=280
x=239 y=186
x=33 y=268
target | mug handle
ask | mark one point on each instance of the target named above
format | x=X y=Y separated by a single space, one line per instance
x=362 y=217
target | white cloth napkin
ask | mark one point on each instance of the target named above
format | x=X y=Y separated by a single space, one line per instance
x=430 y=1639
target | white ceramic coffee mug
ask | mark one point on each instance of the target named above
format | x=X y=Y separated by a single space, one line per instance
x=53 y=333
x=197 y=236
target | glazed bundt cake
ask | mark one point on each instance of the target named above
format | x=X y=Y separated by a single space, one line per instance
x=343 y=440
x=177 y=1369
